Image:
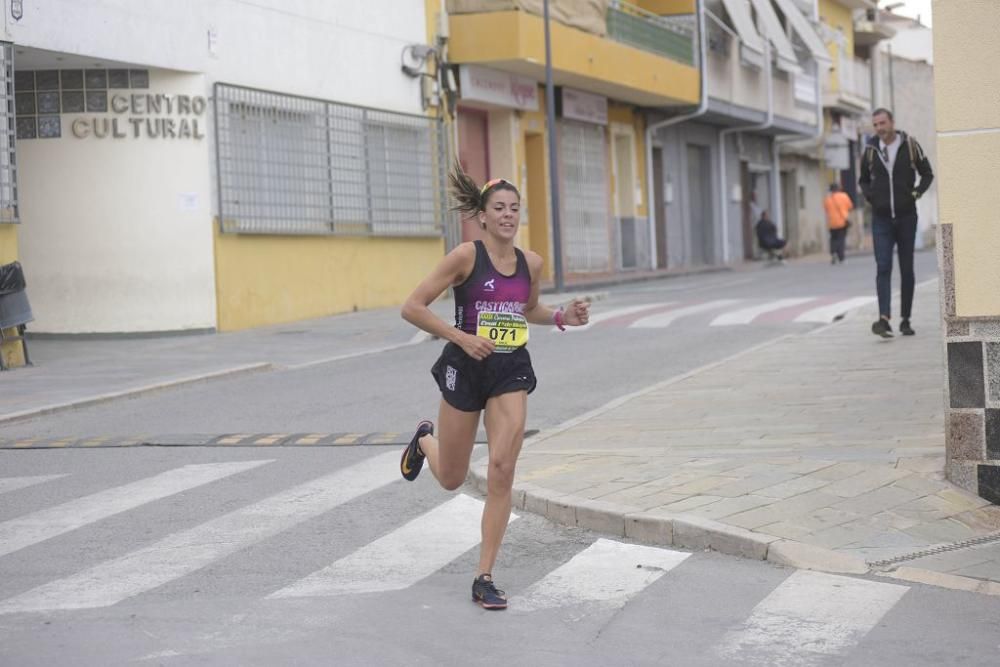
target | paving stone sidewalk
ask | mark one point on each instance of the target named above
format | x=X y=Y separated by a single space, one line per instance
x=821 y=450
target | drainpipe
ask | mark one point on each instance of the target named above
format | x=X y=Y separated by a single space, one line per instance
x=723 y=134
x=816 y=136
x=651 y=130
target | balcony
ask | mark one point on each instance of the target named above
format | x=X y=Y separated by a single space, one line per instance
x=669 y=36
x=737 y=80
x=869 y=30
x=850 y=85
x=622 y=52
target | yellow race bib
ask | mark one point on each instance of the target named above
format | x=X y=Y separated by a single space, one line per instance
x=508 y=331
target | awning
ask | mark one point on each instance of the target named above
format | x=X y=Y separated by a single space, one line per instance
x=770 y=27
x=800 y=24
x=739 y=14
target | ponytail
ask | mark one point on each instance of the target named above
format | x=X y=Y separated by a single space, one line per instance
x=464 y=190
x=469 y=197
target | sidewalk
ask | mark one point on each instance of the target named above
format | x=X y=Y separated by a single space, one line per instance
x=73 y=371
x=822 y=450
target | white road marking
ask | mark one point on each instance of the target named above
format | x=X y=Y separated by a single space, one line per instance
x=45 y=524
x=750 y=313
x=808 y=618
x=826 y=314
x=608 y=573
x=182 y=553
x=15 y=483
x=603 y=316
x=666 y=319
x=401 y=558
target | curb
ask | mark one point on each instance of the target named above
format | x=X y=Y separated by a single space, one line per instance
x=678 y=530
x=135 y=391
x=688 y=531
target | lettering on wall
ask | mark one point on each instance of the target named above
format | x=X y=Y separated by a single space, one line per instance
x=149 y=115
x=47 y=101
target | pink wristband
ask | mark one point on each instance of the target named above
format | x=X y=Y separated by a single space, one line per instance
x=557 y=317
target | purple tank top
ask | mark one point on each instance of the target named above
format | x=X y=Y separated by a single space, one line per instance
x=486 y=289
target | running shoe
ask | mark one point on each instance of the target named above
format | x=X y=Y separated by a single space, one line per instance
x=486 y=595
x=413 y=459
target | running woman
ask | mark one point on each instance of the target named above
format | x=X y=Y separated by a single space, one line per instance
x=485 y=364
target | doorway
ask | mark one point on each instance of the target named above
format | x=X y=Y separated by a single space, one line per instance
x=537 y=204
x=699 y=179
x=474 y=156
x=659 y=209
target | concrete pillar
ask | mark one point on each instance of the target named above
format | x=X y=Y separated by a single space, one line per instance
x=968 y=129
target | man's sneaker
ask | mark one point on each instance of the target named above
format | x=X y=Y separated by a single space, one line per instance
x=486 y=595
x=413 y=459
x=882 y=328
x=905 y=328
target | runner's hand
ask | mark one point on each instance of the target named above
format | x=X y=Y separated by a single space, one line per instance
x=476 y=347
x=577 y=313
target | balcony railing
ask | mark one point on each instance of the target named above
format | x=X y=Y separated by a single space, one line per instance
x=672 y=37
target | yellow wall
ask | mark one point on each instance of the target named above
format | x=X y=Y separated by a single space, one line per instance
x=583 y=60
x=837 y=16
x=8 y=243
x=966 y=52
x=625 y=114
x=665 y=7
x=12 y=353
x=271 y=279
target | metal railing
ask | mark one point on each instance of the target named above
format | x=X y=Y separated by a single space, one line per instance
x=296 y=165
x=670 y=36
x=8 y=158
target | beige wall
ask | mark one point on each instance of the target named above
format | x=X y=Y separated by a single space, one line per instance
x=116 y=233
x=966 y=52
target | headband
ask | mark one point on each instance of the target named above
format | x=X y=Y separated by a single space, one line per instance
x=489 y=184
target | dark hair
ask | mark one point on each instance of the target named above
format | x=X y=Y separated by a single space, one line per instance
x=471 y=198
x=834 y=187
x=882 y=110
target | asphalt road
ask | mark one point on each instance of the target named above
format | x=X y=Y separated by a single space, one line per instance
x=258 y=556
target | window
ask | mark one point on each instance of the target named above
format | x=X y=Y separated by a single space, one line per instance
x=292 y=165
x=8 y=163
x=42 y=96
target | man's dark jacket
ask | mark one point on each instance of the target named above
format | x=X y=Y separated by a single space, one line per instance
x=874 y=181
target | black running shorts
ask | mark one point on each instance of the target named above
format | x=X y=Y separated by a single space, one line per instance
x=466 y=384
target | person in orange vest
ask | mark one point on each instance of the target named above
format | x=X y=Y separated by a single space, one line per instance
x=838 y=207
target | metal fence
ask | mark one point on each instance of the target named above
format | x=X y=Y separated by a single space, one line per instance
x=297 y=165
x=673 y=37
x=8 y=158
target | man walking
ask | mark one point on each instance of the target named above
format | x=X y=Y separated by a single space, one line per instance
x=889 y=168
x=838 y=206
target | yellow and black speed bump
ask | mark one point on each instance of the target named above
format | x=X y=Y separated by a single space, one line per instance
x=226 y=440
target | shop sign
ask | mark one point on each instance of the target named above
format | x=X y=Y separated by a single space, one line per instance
x=590 y=108
x=836 y=152
x=147 y=115
x=481 y=84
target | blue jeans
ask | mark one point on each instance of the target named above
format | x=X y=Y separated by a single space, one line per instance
x=900 y=232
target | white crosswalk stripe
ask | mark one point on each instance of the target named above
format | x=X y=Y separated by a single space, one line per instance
x=45 y=524
x=182 y=553
x=14 y=483
x=662 y=320
x=750 y=313
x=808 y=618
x=828 y=313
x=607 y=573
x=604 y=316
x=401 y=558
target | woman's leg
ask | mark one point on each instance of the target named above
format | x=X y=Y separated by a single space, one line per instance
x=505 y=416
x=449 y=452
